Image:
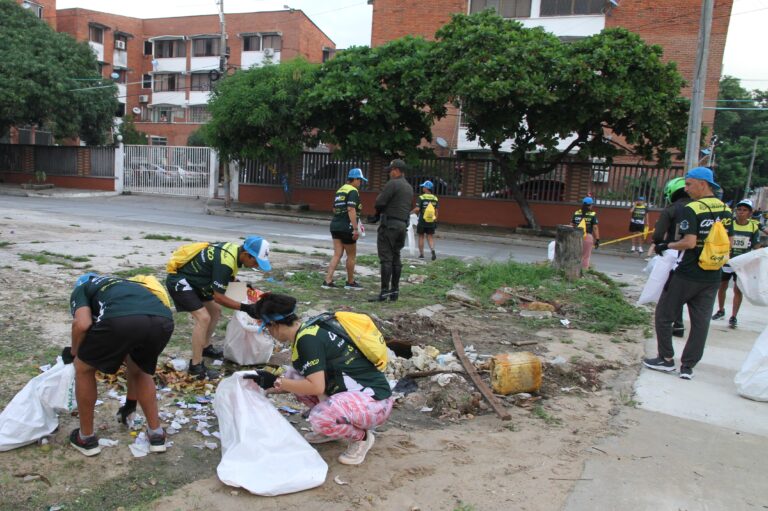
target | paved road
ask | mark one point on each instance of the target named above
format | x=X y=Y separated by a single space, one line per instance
x=189 y=216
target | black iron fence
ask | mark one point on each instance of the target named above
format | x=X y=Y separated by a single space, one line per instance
x=58 y=160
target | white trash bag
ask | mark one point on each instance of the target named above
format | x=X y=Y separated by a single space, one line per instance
x=260 y=450
x=752 y=380
x=658 y=277
x=31 y=414
x=243 y=344
x=414 y=221
x=551 y=250
x=752 y=271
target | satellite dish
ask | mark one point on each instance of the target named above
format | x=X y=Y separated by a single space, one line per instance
x=136 y=110
x=115 y=76
x=441 y=142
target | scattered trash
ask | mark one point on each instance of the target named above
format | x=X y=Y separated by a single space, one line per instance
x=112 y=393
x=203 y=399
x=218 y=362
x=445 y=378
x=535 y=314
x=106 y=442
x=539 y=306
x=288 y=410
x=512 y=373
x=211 y=445
x=405 y=386
x=556 y=361
x=461 y=295
x=140 y=447
x=55 y=508
x=416 y=279
x=502 y=295
x=338 y=480
x=565 y=323
x=179 y=364
x=45 y=367
x=98 y=402
x=425 y=409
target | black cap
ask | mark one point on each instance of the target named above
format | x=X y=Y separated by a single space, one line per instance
x=396 y=164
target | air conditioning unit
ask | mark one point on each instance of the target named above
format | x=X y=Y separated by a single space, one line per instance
x=600 y=176
x=269 y=52
x=119 y=44
x=144 y=98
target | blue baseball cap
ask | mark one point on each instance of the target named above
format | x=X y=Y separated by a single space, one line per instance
x=640 y=197
x=704 y=174
x=258 y=248
x=356 y=174
x=588 y=201
x=82 y=279
x=427 y=184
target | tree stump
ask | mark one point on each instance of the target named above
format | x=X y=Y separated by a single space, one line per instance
x=568 y=247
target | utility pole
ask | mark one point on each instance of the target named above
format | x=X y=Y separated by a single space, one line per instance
x=699 y=83
x=751 y=164
x=224 y=164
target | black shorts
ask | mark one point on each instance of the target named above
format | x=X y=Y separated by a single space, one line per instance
x=636 y=227
x=424 y=229
x=725 y=277
x=344 y=236
x=142 y=337
x=185 y=297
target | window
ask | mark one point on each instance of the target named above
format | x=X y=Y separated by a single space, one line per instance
x=146 y=82
x=199 y=114
x=207 y=47
x=120 y=110
x=167 y=114
x=96 y=34
x=271 y=41
x=148 y=48
x=121 y=42
x=168 y=82
x=153 y=140
x=170 y=49
x=571 y=7
x=328 y=54
x=505 y=8
x=122 y=76
x=34 y=8
x=200 y=82
x=252 y=43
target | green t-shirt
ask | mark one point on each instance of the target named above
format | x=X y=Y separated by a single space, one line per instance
x=745 y=237
x=698 y=218
x=346 y=197
x=590 y=219
x=638 y=214
x=423 y=201
x=346 y=369
x=110 y=297
x=210 y=270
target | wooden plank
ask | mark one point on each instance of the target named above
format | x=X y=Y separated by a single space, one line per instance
x=475 y=377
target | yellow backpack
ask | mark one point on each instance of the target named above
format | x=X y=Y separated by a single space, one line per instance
x=358 y=328
x=430 y=215
x=184 y=254
x=583 y=226
x=717 y=247
x=154 y=286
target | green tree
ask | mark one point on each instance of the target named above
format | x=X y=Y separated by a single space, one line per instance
x=736 y=131
x=374 y=100
x=551 y=100
x=131 y=134
x=48 y=79
x=197 y=138
x=255 y=113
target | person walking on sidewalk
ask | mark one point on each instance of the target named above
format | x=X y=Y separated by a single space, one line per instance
x=426 y=208
x=746 y=237
x=638 y=218
x=690 y=284
x=393 y=209
x=345 y=229
x=115 y=322
x=198 y=287
x=585 y=218
x=667 y=229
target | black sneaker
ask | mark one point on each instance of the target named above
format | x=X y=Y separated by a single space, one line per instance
x=381 y=297
x=659 y=364
x=124 y=411
x=201 y=372
x=353 y=285
x=421 y=256
x=686 y=373
x=719 y=314
x=328 y=285
x=89 y=447
x=394 y=295
x=733 y=322
x=678 y=331
x=156 y=442
x=434 y=256
x=212 y=352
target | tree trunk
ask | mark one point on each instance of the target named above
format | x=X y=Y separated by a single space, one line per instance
x=568 y=249
x=511 y=177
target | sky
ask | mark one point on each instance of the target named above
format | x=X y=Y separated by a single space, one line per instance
x=348 y=23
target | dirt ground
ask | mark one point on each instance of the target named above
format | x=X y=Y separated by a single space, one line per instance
x=459 y=455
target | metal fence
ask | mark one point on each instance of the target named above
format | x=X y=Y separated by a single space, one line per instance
x=10 y=157
x=168 y=170
x=323 y=171
x=549 y=187
x=444 y=173
x=58 y=160
x=256 y=172
x=102 y=161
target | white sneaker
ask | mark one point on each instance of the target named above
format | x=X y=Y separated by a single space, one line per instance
x=317 y=438
x=355 y=453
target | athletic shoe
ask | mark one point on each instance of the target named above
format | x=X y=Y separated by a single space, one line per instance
x=434 y=256
x=211 y=351
x=659 y=364
x=89 y=447
x=678 y=331
x=632 y=250
x=328 y=285
x=317 y=438
x=381 y=297
x=733 y=323
x=394 y=295
x=353 y=285
x=719 y=314
x=686 y=373
x=201 y=372
x=355 y=453
x=156 y=442
x=421 y=256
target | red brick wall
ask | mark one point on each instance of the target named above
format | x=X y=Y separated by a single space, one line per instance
x=393 y=19
x=49 y=10
x=106 y=184
x=177 y=134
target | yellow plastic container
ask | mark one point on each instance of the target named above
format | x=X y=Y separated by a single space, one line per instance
x=515 y=372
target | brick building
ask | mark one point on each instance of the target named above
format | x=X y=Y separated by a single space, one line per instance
x=672 y=24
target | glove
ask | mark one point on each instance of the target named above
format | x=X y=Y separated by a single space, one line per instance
x=249 y=308
x=597 y=243
x=67 y=356
x=263 y=379
x=660 y=247
x=374 y=219
x=124 y=411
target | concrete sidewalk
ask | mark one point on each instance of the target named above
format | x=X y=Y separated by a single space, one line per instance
x=689 y=445
x=54 y=193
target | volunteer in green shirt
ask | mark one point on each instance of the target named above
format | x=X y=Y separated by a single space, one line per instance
x=199 y=288
x=347 y=395
x=345 y=229
x=746 y=237
x=116 y=321
x=689 y=284
x=425 y=227
x=638 y=218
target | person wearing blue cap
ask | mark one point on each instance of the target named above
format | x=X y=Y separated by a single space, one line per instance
x=692 y=283
x=345 y=229
x=117 y=321
x=585 y=218
x=638 y=218
x=426 y=208
x=198 y=286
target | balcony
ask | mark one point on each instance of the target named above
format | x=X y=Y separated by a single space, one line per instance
x=120 y=58
x=122 y=91
x=204 y=63
x=177 y=98
x=250 y=59
x=169 y=65
x=98 y=49
x=199 y=97
x=568 y=26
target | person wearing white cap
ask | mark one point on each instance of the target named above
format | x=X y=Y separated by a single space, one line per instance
x=426 y=208
x=199 y=287
x=345 y=229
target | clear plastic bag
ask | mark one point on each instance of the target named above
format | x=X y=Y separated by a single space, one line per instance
x=658 y=277
x=244 y=344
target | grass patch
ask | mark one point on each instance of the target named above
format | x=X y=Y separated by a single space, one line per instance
x=286 y=250
x=4 y=244
x=132 y=272
x=63 y=260
x=540 y=413
x=165 y=237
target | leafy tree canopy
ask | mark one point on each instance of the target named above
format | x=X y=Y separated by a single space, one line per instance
x=39 y=72
x=131 y=134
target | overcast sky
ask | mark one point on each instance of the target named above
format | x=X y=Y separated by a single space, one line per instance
x=348 y=22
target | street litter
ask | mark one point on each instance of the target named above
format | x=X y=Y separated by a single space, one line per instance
x=338 y=480
x=45 y=368
x=218 y=362
x=106 y=442
x=288 y=410
x=425 y=409
x=565 y=323
x=179 y=364
x=28 y=477
x=140 y=447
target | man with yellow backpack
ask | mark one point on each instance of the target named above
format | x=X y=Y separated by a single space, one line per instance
x=586 y=219
x=198 y=276
x=706 y=228
x=426 y=208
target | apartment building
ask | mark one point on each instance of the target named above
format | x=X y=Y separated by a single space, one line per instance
x=43 y=9
x=671 y=24
x=165 y=68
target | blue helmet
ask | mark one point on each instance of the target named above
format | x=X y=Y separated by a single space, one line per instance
x=588 y=201
x=82 y=279
x=427 y=184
